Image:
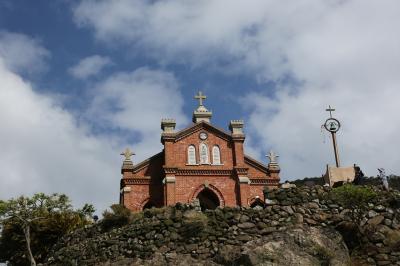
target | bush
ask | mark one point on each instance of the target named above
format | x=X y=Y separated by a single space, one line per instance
x=117 y=217
x=354 y=198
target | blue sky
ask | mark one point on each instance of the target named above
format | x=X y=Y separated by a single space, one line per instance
x=83 y=79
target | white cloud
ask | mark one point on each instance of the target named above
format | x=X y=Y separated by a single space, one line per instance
x=136 y=101
x=45 y=148
x=22 y=53
x=89 y=66
x=343 y=53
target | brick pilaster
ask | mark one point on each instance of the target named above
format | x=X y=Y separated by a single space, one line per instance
x=169 y=189
x=244 y=185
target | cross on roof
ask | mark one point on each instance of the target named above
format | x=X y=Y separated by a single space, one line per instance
x=200 y=97
x=330 y=110
x=127 y=153
x=272 y=156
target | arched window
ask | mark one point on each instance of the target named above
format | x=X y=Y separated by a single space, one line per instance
x=204 y=154
x=191 y=155
x=216 y=155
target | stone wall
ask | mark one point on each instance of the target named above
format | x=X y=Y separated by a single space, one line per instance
x=381 y=222
x=298 y=225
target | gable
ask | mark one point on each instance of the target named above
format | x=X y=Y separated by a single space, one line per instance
x=194 y=146
x=195 y=128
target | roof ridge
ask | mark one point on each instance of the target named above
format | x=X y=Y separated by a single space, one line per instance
x=143 y=163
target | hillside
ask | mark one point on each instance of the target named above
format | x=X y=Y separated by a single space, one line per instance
x=302 y=226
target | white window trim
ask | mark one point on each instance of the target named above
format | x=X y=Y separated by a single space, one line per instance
x=188 y=155
x=213 y=155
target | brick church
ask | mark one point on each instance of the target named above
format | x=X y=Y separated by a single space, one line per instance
x=202 y=163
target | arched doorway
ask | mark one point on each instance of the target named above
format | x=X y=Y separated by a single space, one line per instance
x=208 y=199
x=257 y=204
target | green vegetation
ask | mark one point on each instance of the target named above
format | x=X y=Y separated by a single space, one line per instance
x=355 y=198
x=117 y=217
x=31 y=226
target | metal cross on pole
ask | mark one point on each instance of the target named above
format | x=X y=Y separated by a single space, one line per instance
x=330 y=110
x=333 y=125
x=200 y=97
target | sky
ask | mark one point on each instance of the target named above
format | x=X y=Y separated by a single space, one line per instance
x=80 y=80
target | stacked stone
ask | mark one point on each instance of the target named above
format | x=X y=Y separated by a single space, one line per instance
x=180 y=231
x=381 y=223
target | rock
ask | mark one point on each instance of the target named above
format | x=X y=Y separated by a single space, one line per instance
x=387 y=222
x=246 y=225
x=379 y=208
x=383 y=262
x=322 y=216
x=299 y=218
x=312 y=205
x=261 y=225
x=227 y=254
x=244 y=218
x=324 y=247
x=270 y=202
x=288 y=185
x=274 y=223
x=372 y=214
x=376 y=220
x=310 y=221
x=191 y=247
x=300 y=210
x=268 y=230
x=244 y=238
x=392 y=238
x=395 y=224
x=381 y=257
x=288 y=209
x=377 y=237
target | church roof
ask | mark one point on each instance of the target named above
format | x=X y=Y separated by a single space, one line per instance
x=255 y=163
x=143 y=164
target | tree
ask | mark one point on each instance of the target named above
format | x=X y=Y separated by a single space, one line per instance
x=50 y=215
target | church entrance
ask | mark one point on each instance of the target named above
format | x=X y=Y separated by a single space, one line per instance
x=257 y=204
x=208 y=199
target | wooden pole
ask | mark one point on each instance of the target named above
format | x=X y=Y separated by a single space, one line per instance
x=335 y=148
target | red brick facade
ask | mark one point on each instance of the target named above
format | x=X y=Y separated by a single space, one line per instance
x=168 y=178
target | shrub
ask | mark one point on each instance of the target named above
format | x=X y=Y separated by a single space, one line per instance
x=354 y=198
x=117 y=217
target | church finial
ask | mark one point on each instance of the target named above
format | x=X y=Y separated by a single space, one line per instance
x=201 y=113
x=273 y=165
x=272 y=156
x=127 y=165
x=200 y=97
x=127 y=153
